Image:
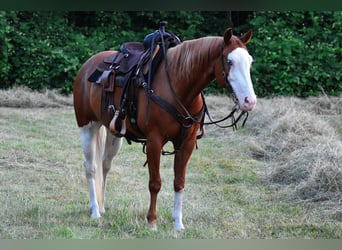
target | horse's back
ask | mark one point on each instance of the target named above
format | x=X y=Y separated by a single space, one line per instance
x=87 y=96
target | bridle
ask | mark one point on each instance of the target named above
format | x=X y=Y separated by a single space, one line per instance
x=224 y=72
x=230 y=91
x=236 y=108
x=186 y=120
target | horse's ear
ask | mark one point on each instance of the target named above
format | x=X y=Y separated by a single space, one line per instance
x=227 y=35
x=246 y=37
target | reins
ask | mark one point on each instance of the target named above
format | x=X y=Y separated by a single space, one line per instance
x=206 y=111
x=236 y=107
x=230 y=115
x=187 y=120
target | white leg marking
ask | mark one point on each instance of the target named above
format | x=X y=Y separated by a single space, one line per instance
x=88 y=139
x=94 y=207
x=113 y=145
x=177 y=211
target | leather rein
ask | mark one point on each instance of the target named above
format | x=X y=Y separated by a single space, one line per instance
x=187 y=120
x=233 y=97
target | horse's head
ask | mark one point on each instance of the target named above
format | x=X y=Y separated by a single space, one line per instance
x=233 y=68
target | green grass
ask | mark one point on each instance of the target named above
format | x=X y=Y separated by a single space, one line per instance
x=44 y=193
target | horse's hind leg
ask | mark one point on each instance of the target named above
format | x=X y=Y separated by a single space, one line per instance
x=112 y=146
x=93 y=159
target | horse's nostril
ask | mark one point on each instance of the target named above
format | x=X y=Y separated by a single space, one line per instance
x=249 y=103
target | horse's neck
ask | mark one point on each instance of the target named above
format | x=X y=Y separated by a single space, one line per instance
x=192 y=64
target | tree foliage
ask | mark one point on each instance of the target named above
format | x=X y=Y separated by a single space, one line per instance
x=296 y=53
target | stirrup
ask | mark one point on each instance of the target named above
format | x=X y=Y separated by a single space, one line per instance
x=112 y=125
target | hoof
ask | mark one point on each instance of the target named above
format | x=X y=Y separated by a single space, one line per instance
x=179 y=227
x=102 y=210
x=178 y=223
x=95 y=213
x=152 y=226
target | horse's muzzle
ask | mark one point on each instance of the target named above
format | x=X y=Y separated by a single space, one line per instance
x=249 y=103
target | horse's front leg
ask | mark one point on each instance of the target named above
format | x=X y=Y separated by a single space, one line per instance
x=181 y=161
x=153 y=160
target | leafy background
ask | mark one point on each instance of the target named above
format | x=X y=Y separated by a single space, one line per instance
x=296 y=53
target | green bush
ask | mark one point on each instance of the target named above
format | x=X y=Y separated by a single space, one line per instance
x=5 y=45
x=38 y=52
x=297 y=53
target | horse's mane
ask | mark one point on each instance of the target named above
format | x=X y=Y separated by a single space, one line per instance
x=183 y=58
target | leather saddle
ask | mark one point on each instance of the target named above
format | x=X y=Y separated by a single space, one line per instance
x=132 y=67
x=116 y=68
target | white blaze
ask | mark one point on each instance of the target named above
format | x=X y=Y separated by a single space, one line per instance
x=240 y=78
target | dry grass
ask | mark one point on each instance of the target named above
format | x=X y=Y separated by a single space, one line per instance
x=280 y=177
x=300 y=142
x=22 y=97
x=301 y=145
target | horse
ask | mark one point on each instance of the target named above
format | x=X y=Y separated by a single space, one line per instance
x=185 y=71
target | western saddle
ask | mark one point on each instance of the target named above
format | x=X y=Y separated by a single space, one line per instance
x=132 y=67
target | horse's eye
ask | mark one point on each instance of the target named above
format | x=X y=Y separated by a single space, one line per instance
x=230 y=62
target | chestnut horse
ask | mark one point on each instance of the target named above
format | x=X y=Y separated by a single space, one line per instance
x=179 y=80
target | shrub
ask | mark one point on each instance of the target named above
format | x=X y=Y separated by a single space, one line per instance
x=38 y=51
x=297 y=53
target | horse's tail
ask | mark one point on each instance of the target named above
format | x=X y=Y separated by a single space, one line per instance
x=99 y=185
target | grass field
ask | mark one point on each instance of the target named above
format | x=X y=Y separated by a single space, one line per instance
x=279 y=177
